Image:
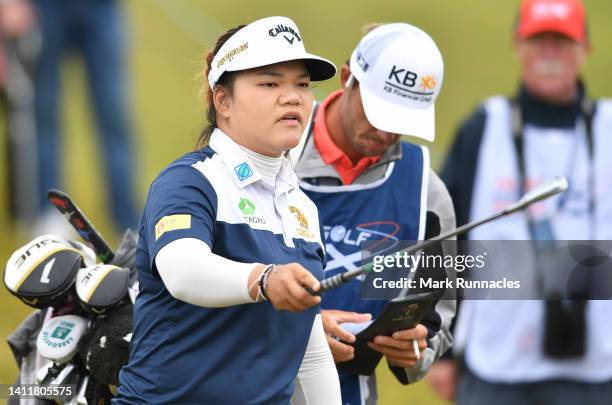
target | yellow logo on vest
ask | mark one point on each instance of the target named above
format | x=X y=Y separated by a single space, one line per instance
x=172 y=223
x=302 y=221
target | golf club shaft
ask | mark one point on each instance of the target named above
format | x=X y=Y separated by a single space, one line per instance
x=543 y=192
x=343 y=278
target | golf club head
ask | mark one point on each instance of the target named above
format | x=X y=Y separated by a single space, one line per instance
x=106 y=347
x=59 y=338
x=79 y=221
x=102 y=287
x=41 y=273
x=540 y=193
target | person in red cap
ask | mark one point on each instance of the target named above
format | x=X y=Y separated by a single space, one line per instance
x=546 y=351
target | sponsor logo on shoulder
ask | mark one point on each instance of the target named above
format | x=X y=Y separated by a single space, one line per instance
x=172 y=223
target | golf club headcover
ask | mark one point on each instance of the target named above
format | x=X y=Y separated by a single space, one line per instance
x=59 y=337
x=102 y=287
x=42 y=272
x=105 y=348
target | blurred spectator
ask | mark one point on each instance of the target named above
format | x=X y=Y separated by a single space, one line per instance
x=94 y=28
x=19 y=47
x=513 y=352
x=16 y=17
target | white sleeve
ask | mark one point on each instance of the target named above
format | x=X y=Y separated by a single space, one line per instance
x=193 y=274
x=317 y=381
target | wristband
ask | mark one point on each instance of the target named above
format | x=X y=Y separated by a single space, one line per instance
x=263 y=280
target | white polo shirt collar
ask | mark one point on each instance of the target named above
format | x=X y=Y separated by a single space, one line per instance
x=242 y=169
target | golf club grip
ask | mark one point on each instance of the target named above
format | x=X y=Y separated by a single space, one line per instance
x=328 y=284
x=333 y=282
x=81 y=224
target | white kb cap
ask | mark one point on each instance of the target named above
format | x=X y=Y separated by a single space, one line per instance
x=400 y=71
x=265 y=42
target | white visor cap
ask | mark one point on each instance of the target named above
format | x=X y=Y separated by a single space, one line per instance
x=266 y=42
x=400 y=71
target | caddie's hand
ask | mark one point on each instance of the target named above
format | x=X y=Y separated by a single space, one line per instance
x=333 y=331
x=398 y=348
x=286 y=287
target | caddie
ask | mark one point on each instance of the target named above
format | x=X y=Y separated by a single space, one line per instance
x=369 y=185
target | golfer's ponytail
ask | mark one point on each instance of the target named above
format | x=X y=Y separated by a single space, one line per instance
x=226 y=80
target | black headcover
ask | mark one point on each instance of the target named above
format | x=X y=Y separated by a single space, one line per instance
x=42 y=272
x=105 y=348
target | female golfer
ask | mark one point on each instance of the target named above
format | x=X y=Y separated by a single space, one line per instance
x=229 y=243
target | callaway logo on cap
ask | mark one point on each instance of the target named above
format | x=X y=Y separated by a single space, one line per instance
x=265 y=42
x=400 y=72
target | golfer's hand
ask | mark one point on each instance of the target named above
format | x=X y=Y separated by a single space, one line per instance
x=443 y=378
x=287 y=285
x=398 y=347
x=333 y=331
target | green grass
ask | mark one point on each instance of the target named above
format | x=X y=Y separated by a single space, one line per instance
x=168 y=39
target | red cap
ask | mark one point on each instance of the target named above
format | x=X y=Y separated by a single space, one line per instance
x=566 y=17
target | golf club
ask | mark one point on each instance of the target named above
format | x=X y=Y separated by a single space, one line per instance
x=79 y=221
x=555 y=186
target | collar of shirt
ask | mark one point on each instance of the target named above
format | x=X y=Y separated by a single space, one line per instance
x=243 y=171
x=330 y=152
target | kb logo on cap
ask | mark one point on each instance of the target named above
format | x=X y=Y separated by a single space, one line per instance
x=401 y=82
x=286 y=32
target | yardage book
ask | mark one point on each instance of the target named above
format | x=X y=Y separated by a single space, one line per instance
x=398 y=314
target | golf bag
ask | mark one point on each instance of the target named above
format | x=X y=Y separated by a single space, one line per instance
x=79 y=335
